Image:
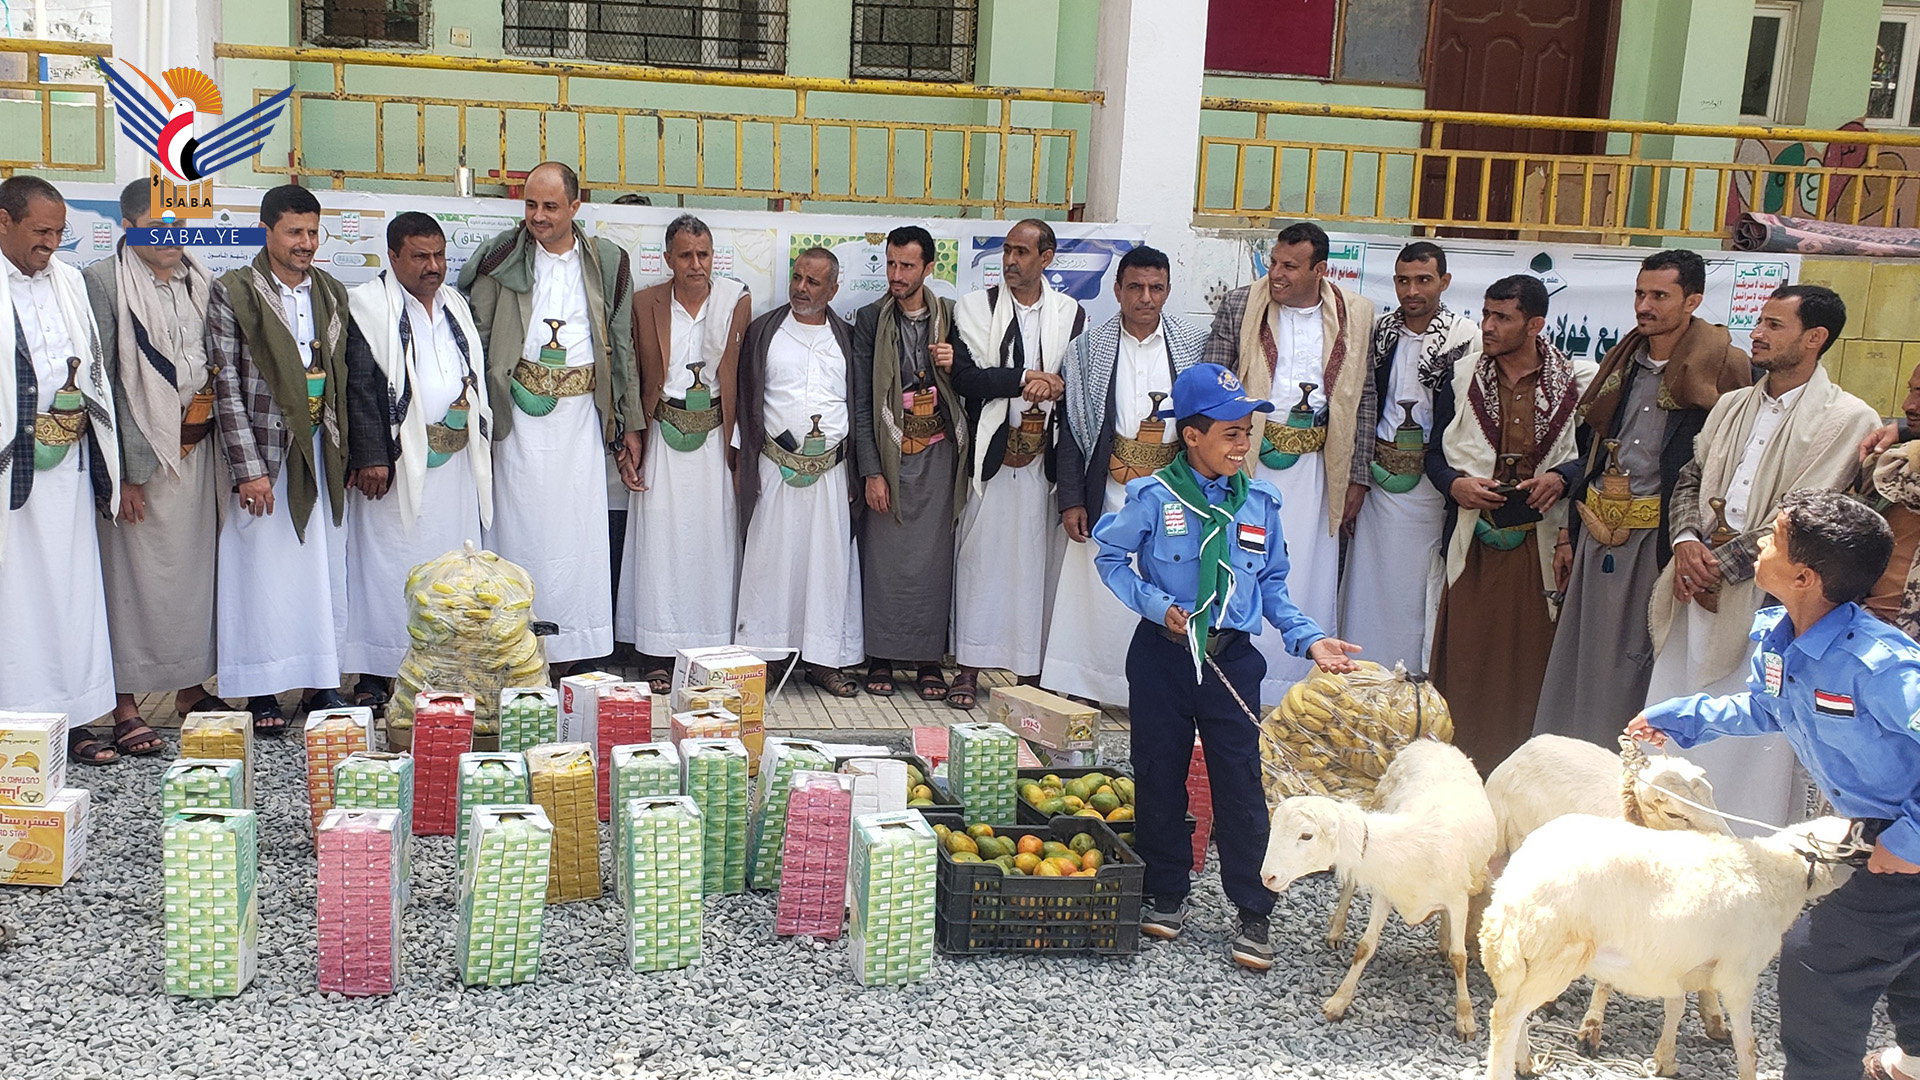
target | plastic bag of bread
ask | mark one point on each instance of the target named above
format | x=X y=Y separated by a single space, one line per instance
x=1336 y=734
x=470 y=614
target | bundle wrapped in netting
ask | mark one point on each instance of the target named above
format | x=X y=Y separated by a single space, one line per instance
x=1336 y=734
x=470 y=615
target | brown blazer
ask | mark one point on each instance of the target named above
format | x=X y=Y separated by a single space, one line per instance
x=653 y=344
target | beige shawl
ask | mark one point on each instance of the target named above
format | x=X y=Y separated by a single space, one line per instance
x=155 y=403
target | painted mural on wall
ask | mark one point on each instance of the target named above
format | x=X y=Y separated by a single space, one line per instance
x=1890 y=201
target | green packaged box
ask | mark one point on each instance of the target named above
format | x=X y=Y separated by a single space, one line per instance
x=891 y=877
x=663 y=890
x=714 y=773
x=983 y=769
x=778 y=762
x=640 y=770
x=209 y=868
x=376 y=780
x=503 y=895
x=529 y=716
x=203 y=784
x=487 y=780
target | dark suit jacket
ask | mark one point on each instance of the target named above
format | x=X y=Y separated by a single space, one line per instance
x=978 y=385
x=751 y=422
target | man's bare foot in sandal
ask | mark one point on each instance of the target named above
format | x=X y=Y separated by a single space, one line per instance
x=965 y=689
x=131 y=735
x=832 y=680
x=87 y=748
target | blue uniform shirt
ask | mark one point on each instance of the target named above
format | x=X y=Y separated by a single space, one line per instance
x=1846 y=694
x=1156 y=526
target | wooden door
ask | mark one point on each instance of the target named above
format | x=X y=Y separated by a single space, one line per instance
x=1524 y=57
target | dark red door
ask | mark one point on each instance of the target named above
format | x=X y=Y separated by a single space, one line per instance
x=1525 y=57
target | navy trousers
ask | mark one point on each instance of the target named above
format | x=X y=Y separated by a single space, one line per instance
x=1166 y=709
x=1840 y=957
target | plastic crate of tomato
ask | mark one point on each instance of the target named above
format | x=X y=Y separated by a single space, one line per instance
x=1065 y=905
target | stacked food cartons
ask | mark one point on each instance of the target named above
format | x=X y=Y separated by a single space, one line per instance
x=203 y=784
x=375 y=780
x=529 y=716
x=663 y=888
x=487 y=780
x=780 y=760
x=984 y=771
x=813 y=877
x=503 y=896
x=442 y=731
x=892 y=873
x=33 y=757
x=44 y=844
x=624 y=718
x=220 y=735
x=209 y=868
x=332 y=734
x=714 y=772
x=638 y=772
x=561 y=776
x=361 y=893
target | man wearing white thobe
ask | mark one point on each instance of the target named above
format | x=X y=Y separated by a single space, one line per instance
x=683 y=542
x=1295 y=329
x=1017 y=334
x=800 y=572
x=57 y=426
x=437 y=492
x=1117 y=377
x=554 y=308
x=1391 y=590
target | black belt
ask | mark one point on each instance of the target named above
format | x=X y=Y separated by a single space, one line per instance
x=1218 y=641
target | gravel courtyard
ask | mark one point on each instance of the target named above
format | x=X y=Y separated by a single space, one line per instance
x=82 y=977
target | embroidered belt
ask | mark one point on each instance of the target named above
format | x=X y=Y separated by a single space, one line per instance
x=445 y=440
x=1638 y=512
x=925 y=427
x=1296 y=440
x=693 y=424
x=53 y=433
x=1133 y=459
x=801 y=464
x=1023 y=446
x=1399 y=461
x=543 y=381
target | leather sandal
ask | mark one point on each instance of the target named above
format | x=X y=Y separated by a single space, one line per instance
x=931 y=682
x=133 y=732
x=832 y=680
x=964 y=691
x=86 y=748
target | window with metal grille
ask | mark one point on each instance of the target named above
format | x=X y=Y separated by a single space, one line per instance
x=924 y=40
x=729 y=35
x=352 y=24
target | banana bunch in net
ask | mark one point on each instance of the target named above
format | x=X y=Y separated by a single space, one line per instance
x=470 y=615
x=1336 y=734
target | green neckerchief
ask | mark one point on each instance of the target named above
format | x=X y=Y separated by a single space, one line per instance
x=1216 y=545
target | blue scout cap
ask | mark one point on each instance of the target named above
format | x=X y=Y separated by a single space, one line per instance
x=1212 y=391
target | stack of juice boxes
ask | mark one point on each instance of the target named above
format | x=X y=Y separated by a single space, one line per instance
x=503 y=896
x=209 y=870
x=641 y=771
x=663 y=889
x=487 y=780
x=361 y=894
x=442 y=731
x=892 y=874
x=813 y=878
x=783 y=758
x=561 y=777
x=529 y=716
x=714 y=772
x=332 y=734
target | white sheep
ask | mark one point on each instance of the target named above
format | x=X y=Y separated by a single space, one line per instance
x=1551 y=775
x=1655 y=914
x=1423 y=850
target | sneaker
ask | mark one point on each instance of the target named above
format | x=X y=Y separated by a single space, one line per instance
x=1251 y=947
x=1164 y=917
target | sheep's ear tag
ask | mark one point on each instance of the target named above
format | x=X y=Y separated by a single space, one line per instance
x=1772 y=666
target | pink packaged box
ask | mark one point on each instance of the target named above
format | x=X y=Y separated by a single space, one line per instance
x=813 y=883
x=361 y=892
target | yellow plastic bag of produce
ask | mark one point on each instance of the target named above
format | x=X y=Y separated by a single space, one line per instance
x=1335 y=734
x=470 y=615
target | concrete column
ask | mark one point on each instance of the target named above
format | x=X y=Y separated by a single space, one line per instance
x=159 y=34
x=1144 y=150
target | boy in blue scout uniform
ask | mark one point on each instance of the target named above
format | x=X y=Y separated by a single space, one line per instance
x=1211 y=563
x=1844 y=688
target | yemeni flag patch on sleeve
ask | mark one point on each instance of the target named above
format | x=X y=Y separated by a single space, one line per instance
x=1829 y=703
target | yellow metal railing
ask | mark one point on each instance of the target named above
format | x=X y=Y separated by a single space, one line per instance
x=1412 y=177
x=694 y=151
x=15 y=93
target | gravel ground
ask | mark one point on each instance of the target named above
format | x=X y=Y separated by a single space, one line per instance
x=83 y=972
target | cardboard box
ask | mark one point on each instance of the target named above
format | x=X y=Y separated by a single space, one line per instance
x=374 y=780
x=209 y=873
x=529 y=716
x=217 y=735
x=714 y=773
x=665 y=843
x=701 y=698
x=442 y=731
x=890 y=783
x=330 y=736
x=983 y=771
x=766 y=842
x=624 y=717
x=44 y=845
x=1047 y=719
x=735 y=667
x=33 y=757
x=561 y=777
x=813 y=881
x=891 y=872
x=361 y=892
x=487 y=780
x=503 y=896
x=639 y=772
x=203 y=784
x=704 y=724
x=580 y=706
